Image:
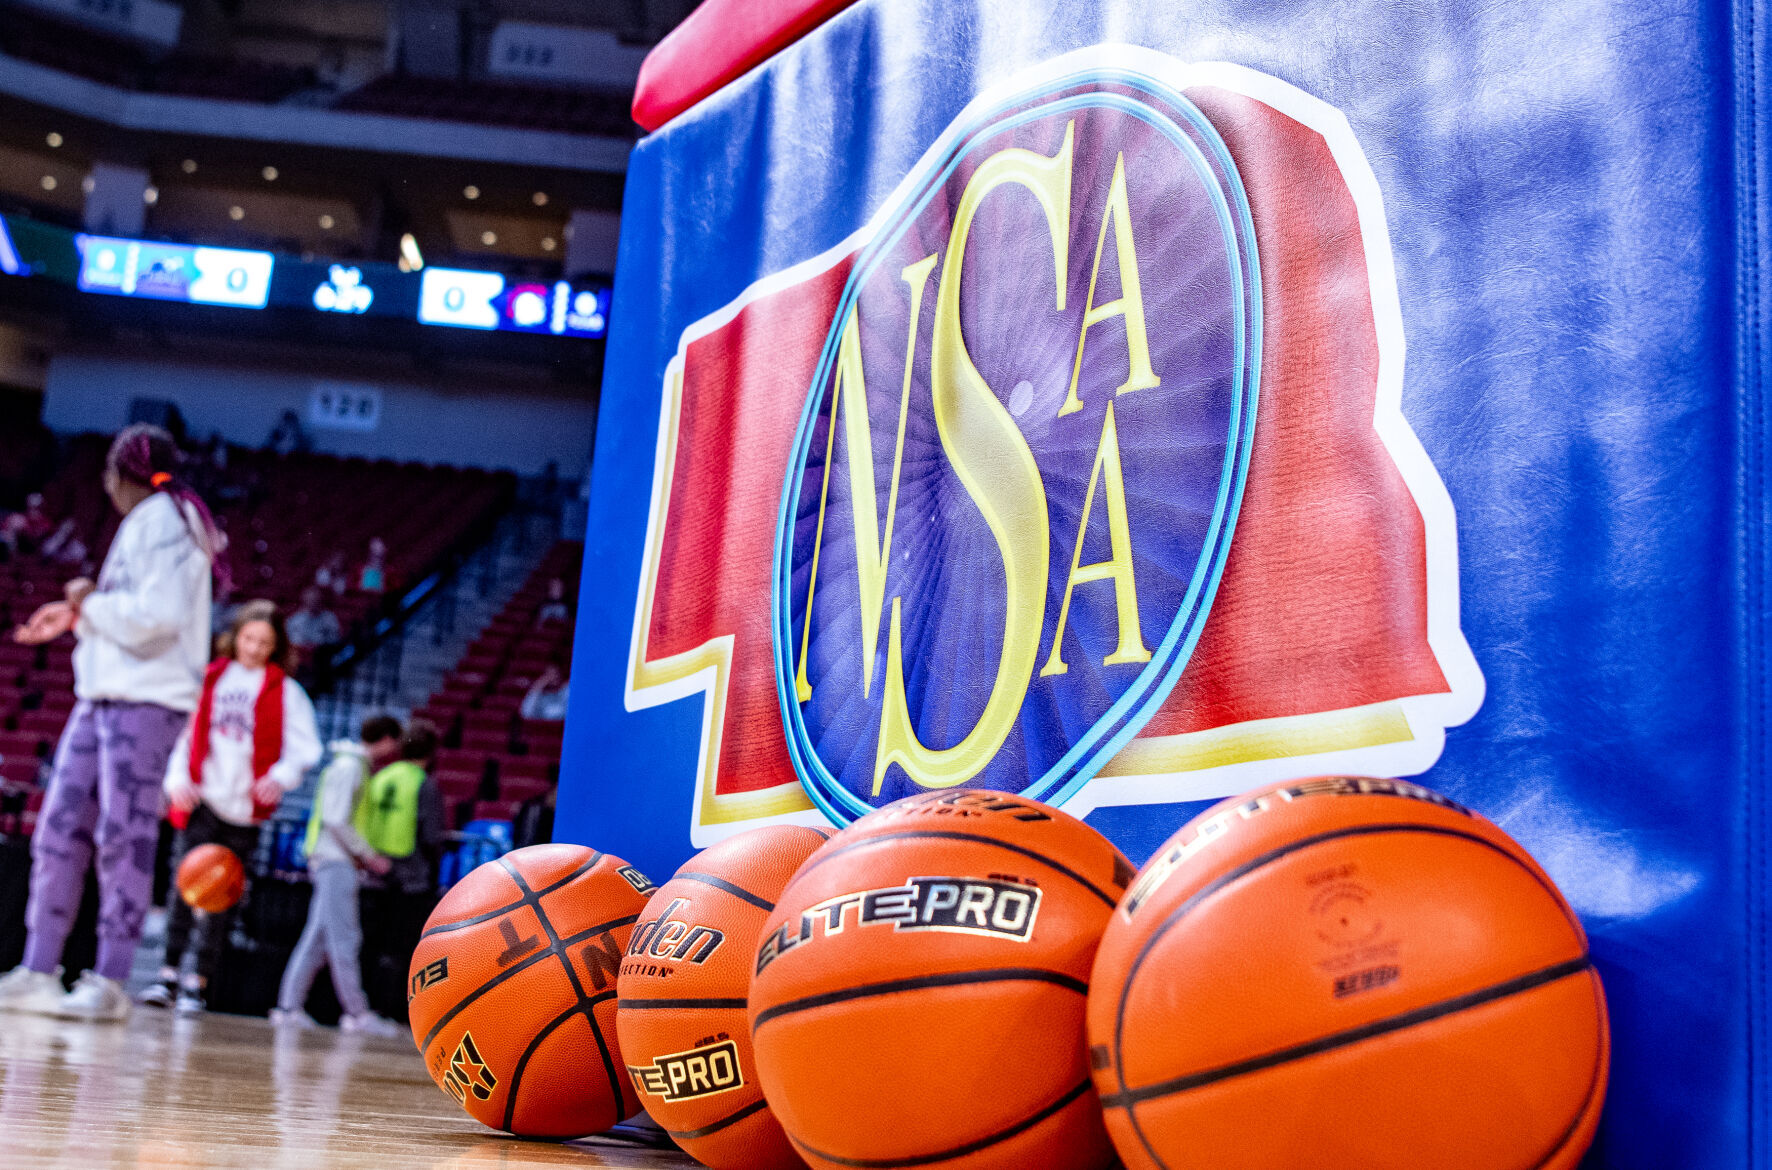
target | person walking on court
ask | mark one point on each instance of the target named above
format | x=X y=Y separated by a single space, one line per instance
x=404 y=822
x=337 y=849
x=250 y=742
x=143 y=631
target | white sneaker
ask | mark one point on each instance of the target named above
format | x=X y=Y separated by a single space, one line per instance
x=370 y=1024
x=95 y=998
x=190 y=1002
x=292 y=1019
x=32 y=992
x=160 y=994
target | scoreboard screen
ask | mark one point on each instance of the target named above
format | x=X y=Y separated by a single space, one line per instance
x=468 y=299
x=174 y=272
x=461 y=298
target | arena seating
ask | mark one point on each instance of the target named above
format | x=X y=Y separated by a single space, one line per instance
x=85 y=52
x=495 y=759
x=75 y=48
x=284 y=517
x=531 y=107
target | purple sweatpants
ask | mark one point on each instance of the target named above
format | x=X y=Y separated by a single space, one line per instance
x=104 y=798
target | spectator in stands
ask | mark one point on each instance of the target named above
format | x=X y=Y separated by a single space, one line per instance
x=250 y=742
x=22 y=532
x=546 y=698
x=64 y=546
x=288 y=437
x=403 y=822
x=143 y=633
x=211 y=472
x=534 y=822
x=337 y=849
x=332 y=576
x=223 y=606
x=554 y=609
x=374 y=576
x=313 y=625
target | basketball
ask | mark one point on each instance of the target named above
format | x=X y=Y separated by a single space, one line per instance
x=211 y=878
x=942 y=941
x=1358 y=968
x=683 y=988
x=512 y=990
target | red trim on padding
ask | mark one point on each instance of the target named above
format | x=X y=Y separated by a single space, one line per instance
x=720 y=41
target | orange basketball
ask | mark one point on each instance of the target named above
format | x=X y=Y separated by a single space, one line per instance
x=919 y=989
x=211 y=878
x=1348 y=974
x=683 y=988
x=512 y=990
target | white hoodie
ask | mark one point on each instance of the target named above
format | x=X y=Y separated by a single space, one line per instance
x=227 y=771
x=144 y=632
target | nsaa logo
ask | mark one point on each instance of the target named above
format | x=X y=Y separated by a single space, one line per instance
x=1019 y=468
x=1031 y=532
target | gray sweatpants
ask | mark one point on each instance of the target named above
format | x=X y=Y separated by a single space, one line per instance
x=332 y=938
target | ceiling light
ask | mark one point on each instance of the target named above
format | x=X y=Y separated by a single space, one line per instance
x=470 y=192
x=489 y=238
x=150 y=195
x=236 y=212
x=54 y=139
x=409 y=253
x=270 y=174
x=326 y=222
x=49 y=182
x=540 y=198
x=189 y=166
x=548 y=244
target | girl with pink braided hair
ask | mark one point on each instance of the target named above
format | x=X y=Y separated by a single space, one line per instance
x=143 y=642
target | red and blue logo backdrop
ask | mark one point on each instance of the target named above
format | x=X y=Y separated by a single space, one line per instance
x=1078 y=470
x=1418 y=457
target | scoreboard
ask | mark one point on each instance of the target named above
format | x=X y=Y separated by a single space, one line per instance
x=458 y=298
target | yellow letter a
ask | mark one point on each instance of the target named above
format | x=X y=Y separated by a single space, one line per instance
x=1130 y=305
x=1117 y=568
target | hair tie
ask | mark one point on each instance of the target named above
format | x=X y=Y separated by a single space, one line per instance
x=160 y=479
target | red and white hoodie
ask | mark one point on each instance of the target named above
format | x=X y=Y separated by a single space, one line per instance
x=260 y=723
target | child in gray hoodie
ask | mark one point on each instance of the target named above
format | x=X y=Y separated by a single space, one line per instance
x=336 y=851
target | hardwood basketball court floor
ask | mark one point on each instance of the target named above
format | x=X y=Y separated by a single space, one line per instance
x=231 y=1091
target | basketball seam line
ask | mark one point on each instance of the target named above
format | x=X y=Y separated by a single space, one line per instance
x=1259 y=862
x=732 y=1118
x=526 y=900
x=972 y=1147
x=1593 y=1084
x=523 y=1063
x=720 y=883
x=946 y=979
x=1127 y=1098
x=586 y=1004
x=951 y=835
x=532 y=960
x=705 y=1002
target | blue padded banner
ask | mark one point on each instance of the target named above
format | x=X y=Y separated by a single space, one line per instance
x=1510 y=262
